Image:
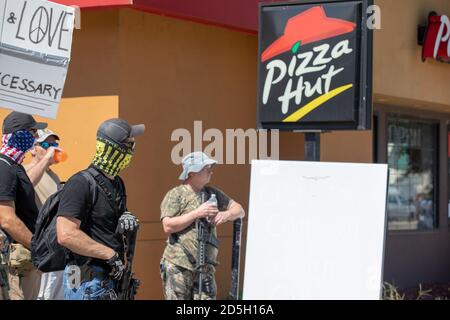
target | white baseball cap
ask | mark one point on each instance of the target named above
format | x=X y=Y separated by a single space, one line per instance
x=44 y=134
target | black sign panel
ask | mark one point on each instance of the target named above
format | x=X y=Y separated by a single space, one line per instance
x=315 y=66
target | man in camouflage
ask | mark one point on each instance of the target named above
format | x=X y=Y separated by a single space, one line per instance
x=181 y=208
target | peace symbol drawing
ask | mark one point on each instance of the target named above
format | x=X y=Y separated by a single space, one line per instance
x=39 y=25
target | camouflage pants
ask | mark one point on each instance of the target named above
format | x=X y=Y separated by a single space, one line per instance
x=11 y=288
x=182 y=284
x=4 y=285
x=15 y=287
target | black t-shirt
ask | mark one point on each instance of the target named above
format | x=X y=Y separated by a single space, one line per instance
x=101 y=222
x=16 y=186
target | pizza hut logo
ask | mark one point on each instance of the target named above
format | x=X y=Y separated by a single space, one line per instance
x=301 y=76
x=436 y=44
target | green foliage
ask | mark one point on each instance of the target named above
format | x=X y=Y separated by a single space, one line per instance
x=390 y=292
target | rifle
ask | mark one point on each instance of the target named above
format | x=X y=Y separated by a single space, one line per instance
x=235 y=259
x=204 y=237
x=128 y=286
x=201 y=259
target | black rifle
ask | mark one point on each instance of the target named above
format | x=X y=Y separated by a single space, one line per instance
x=202 y=230
x=205 y=237
x=202 y=234
x=128 y=286
x=235 y=259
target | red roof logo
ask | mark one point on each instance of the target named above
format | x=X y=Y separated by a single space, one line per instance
x=309 y=26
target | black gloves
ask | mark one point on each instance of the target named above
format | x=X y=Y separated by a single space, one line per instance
x=117 y=267
x=127 y=223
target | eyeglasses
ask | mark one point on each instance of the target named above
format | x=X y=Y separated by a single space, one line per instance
x=47 y=145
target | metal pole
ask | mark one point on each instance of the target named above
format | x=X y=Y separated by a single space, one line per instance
x=312 y=146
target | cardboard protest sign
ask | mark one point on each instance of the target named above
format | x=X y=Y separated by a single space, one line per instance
x=35 y=46
x=314 y=66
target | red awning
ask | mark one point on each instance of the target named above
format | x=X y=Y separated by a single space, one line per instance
x=236 y=14
x=94 y=3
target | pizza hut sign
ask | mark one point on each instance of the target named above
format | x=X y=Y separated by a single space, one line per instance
x=436 y=44
x=314 y=66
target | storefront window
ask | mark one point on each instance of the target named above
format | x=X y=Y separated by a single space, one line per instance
x=412 y=158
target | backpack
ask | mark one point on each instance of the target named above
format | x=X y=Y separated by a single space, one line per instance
x=46 y=253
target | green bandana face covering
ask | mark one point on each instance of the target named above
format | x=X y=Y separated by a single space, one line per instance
x=111 y=158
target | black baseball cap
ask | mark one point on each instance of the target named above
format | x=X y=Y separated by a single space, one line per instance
x=118 y=130
x=16 y=121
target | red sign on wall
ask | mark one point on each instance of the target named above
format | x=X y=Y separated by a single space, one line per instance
x=437 y=39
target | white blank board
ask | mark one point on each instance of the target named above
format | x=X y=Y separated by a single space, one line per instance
x=315 y=231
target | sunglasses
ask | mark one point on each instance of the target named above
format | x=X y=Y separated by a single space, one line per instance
x=47 y=145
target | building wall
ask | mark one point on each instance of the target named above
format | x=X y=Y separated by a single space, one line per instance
x=400 y=76
x=76 y=125
x=347 y=146
x=414 y=257
x=401 y=79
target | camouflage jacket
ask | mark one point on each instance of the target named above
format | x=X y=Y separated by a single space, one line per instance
x=181 y=200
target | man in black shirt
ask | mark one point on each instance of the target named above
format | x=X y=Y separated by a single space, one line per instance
x=18 y=211
x=94 y=230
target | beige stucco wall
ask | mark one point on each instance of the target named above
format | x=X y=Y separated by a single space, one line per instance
x=402 y=79
x=400 y=76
